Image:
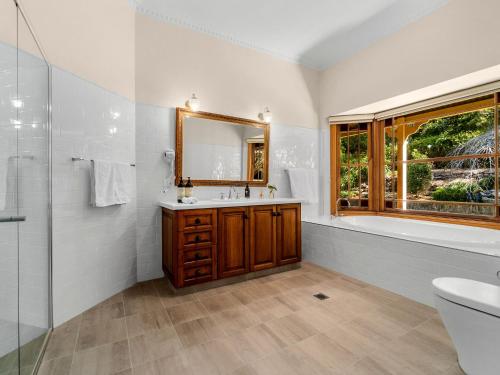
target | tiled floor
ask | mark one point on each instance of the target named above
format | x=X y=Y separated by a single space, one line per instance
x=271 y=325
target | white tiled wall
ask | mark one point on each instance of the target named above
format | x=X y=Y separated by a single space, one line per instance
x=290 y=147
x=94 y=249
x=404 y=267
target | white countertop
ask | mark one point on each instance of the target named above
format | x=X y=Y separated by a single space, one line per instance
x=215 y=203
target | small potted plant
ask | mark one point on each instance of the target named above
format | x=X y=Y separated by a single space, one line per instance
x=272 y=190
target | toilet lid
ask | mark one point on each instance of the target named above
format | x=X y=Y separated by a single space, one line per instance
x=470 y=293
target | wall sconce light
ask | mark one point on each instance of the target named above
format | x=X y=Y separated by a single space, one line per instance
x=266 y=116
x=193 y=103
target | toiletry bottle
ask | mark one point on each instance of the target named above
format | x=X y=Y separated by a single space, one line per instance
x=180 y=191
x=247 y=191
x=188 y=188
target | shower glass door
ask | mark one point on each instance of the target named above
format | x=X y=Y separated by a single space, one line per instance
x=25 y=316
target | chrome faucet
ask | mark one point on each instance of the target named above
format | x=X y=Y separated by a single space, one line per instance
x=337 y=205
x=232 y=190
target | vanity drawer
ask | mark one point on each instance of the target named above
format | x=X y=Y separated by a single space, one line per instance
x=197 y=256
x=193 y=275
x=192 y=219
x=202 y=238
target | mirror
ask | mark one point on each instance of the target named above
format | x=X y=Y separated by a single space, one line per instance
x=216 y=149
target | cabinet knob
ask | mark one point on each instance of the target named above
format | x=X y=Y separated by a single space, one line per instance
x=197 y=220
x=197 y=239
x=197 y=256
x=198 y=272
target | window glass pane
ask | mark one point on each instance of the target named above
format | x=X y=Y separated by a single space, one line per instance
x=363 y=147
x=343 y=148
x=364 y=185
x=344 y=183
x=353 y=153
x=465 y=187
x=463 y=134
x=355 y=186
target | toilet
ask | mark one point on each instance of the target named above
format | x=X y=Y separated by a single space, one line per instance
x=471 y=314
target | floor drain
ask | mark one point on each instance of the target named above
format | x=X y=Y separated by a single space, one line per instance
x=321 y=296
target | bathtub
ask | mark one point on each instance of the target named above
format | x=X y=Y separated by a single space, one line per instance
x=402 y=255
x=459 y=237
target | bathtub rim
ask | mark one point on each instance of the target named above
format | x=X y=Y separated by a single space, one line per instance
x=316 y=221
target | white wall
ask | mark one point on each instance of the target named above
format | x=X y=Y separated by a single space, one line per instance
x=94 y=249
x=455 y=40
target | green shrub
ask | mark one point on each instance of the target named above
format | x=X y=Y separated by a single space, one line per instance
x=419 y=177
x=487 y=183
x=456 y=192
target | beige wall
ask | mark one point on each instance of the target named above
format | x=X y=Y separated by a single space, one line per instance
x=457 y=39
x=94 y=39
x=174 y=62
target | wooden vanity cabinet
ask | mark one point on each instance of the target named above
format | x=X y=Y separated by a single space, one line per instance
x=262 y=237
x=288 y=234
x=233 y=241
x=209 y=244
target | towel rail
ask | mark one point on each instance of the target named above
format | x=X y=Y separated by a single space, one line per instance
x=82 y=159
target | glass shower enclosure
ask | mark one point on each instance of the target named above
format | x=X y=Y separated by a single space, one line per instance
x=25 y=269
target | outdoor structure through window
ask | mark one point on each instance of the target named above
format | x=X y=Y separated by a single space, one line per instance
x=439 y=162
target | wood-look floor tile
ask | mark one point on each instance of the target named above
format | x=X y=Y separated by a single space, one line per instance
x=246 y=370
x=222 y=355
x=255 y=343
x=359 y=342
x=327 y=353
x=140 y=298
x=186 y=312
x=174 y=365
x=393 y=363
x=423 y=352
x=140 y=323
x=102 y=360
x=367 y=366
x=154 y=345
x=269 y=308
x=220 y=302
x=92 y=335
x=57 y=366
x=235 y=320
x=278 y=363
x=320 y=318
x=198 y=331
x=291 y=329
x=104 y=312
x=169 y=299
x=63 y=340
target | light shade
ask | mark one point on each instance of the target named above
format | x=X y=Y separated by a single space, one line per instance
x=267 y=116
x=193 y=103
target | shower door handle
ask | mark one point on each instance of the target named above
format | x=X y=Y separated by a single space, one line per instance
x=12 y=219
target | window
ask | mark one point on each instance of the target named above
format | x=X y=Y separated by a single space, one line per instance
x=352 y=159
x=443 y=162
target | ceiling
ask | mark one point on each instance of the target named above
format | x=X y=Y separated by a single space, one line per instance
x=315 y=33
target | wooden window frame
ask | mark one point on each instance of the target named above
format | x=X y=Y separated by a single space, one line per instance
x=376 y=157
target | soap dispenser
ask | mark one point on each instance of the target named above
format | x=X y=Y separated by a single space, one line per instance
x=188 y=189
x=247 y=191
x=180 y=190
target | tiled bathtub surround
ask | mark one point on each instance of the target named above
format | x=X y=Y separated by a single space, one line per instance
x=94 y=249
x=401 y=266
x=290 y=147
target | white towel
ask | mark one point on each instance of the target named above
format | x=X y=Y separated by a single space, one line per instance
x=304 y=184
x=109 y=183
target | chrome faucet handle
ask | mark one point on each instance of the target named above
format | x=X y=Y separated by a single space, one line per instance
x=222 y=197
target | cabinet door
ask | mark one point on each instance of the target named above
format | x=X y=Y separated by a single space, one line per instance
x=233 y=241
x=262 y=237
x=288 y=242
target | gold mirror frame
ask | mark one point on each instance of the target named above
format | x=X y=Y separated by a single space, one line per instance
x=181 y=113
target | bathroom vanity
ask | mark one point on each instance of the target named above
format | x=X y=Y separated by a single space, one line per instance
x=219 y=239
